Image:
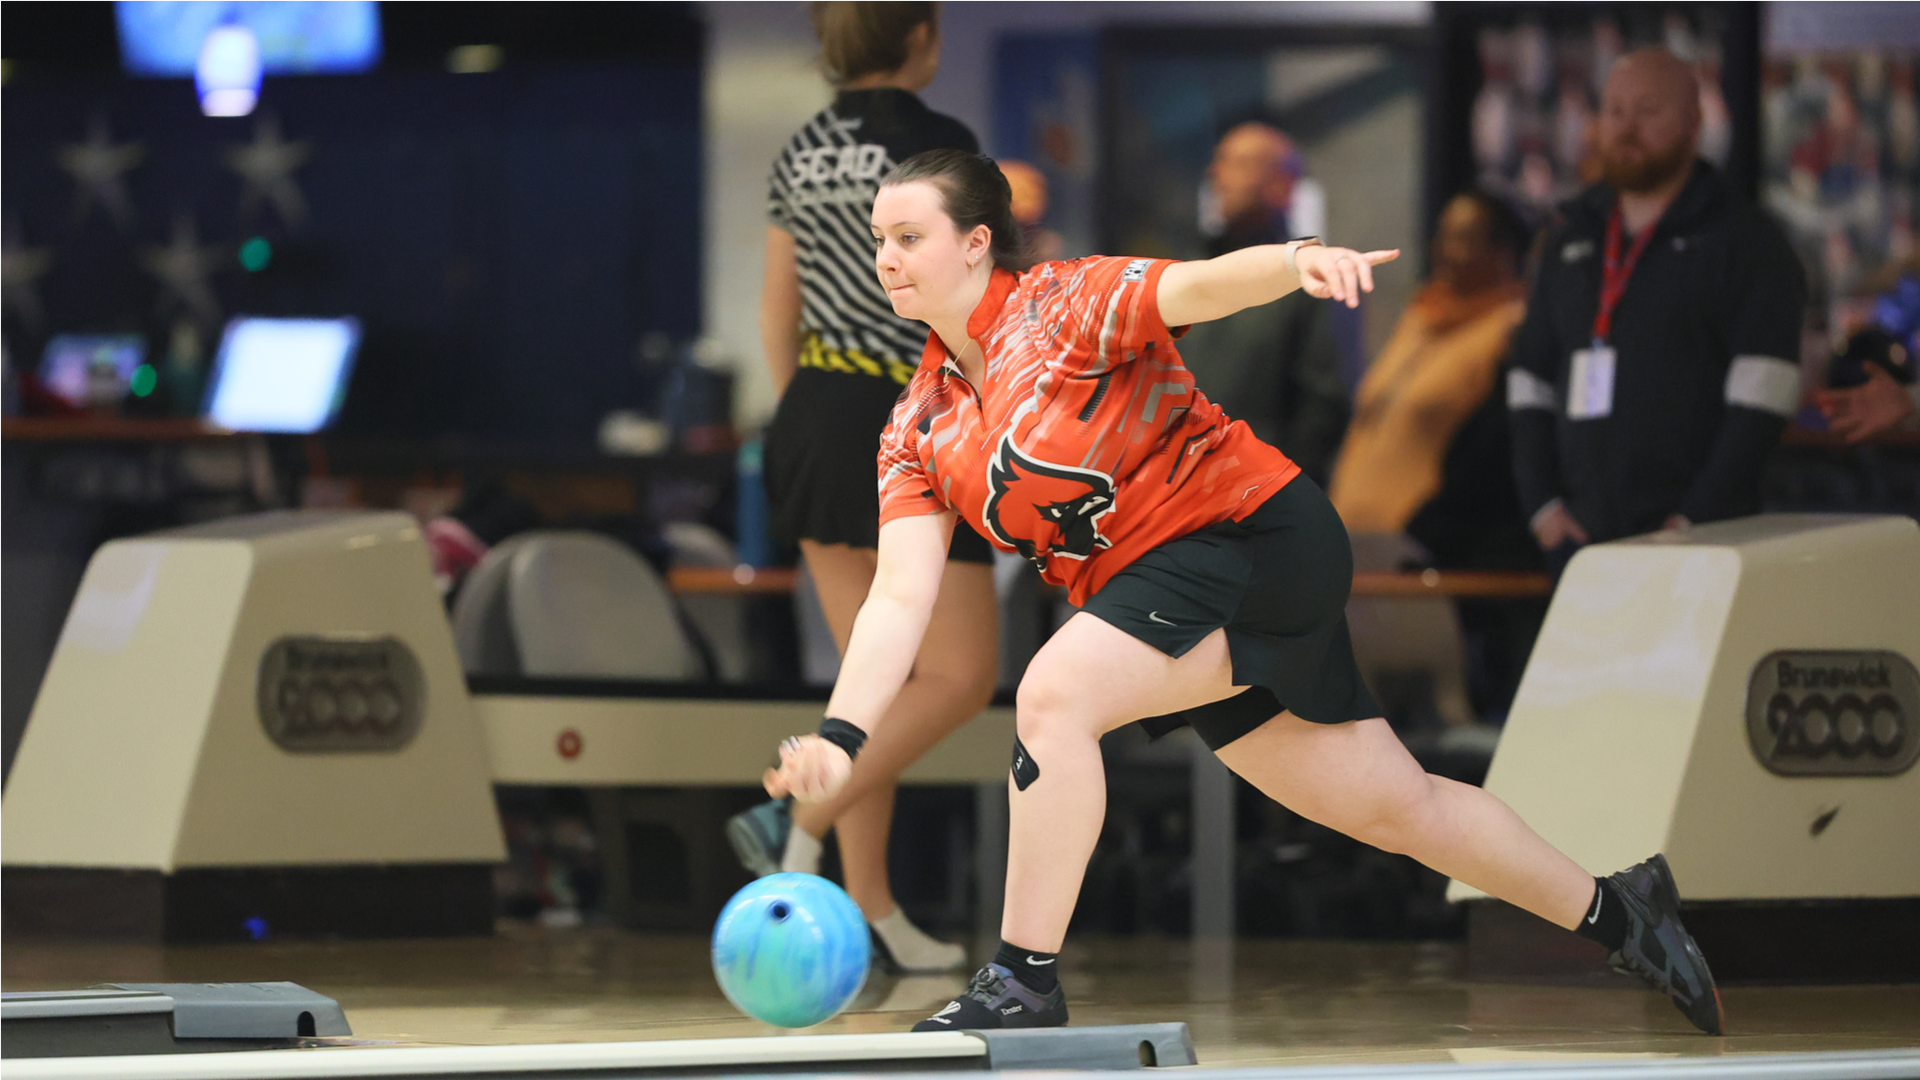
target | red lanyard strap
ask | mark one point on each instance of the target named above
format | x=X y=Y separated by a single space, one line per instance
x=1614 y=272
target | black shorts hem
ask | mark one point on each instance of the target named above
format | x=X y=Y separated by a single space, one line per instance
x=1277 y=582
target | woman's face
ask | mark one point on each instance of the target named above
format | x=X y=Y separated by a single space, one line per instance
x=923 y=262
x=1463 y=253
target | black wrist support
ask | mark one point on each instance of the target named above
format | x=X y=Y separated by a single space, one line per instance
x=843 y=735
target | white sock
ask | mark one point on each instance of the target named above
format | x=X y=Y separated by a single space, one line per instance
x=803 y=853
x=912 y=948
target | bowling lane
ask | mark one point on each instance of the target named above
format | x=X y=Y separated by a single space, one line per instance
x=1284 y=1003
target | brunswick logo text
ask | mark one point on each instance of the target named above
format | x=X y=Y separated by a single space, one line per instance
x=1834 y=713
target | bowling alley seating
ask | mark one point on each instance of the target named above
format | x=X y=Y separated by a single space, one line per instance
x=581 y=605
x=559 y=604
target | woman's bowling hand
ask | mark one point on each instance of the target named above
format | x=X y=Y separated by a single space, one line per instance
x=811 y=769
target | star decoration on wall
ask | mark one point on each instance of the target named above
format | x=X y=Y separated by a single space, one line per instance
x=99 y=166
x=21 y=268
x=266 y=165
x=182 y=268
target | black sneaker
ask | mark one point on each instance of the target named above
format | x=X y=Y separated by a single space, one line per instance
x=759 y=836
x=1659 y=949
x=995 y=999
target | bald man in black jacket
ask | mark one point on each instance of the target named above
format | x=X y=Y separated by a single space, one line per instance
x=1657 y=365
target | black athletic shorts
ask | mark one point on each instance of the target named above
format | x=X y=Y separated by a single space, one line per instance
x=820 y=463
x=1278 y=582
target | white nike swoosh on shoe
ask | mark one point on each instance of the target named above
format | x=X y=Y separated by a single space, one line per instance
x=1154 y=616
x=1036 y=961
x=950 y=1007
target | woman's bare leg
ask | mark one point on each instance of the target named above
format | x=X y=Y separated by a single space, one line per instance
x=952 y=681
x=1088 y=679
x=1359 y=779
x=1092 y=677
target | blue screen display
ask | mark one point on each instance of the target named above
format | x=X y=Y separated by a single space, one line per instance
x=282 y=375
x=297 y=37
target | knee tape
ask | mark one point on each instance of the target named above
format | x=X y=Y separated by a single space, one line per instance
x=1024 y=770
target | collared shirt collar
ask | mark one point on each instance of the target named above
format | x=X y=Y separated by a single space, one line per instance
x=999 y=287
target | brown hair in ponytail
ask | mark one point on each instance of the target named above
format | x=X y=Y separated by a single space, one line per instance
x=973 y=191
x=862 y=38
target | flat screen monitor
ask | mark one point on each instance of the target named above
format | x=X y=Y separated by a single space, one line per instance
x=91 y=370
x=297 y=37
x=281 y=375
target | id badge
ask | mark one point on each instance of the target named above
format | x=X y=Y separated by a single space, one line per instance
x=1590 y=384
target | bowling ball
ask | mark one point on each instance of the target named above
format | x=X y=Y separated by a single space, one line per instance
x=791 y=949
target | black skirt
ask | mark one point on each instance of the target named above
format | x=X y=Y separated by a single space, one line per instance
x=820 y=465
x=1278 y=582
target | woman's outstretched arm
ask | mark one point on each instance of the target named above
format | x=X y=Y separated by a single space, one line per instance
x=1208 y=289
x=886 y=637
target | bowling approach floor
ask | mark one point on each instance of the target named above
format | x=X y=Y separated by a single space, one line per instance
x=1276 y=1003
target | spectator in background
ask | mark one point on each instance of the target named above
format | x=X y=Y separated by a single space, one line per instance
x=1427 y=451
x=1029 y=187
x=1656 y=367
x=1276 y=366
x=1881 y=388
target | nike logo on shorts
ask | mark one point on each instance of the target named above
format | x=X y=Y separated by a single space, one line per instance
x=1154 y=616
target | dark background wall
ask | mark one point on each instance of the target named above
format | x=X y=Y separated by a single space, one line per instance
x=507 y=238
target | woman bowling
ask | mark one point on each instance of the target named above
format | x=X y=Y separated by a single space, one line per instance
x=1052 y=413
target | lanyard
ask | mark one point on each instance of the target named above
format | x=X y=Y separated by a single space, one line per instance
x=1614 y=273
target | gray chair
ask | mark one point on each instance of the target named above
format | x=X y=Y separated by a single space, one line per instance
x=587 y=606
x=571 y=605
x=482 y=629
x=583 y=605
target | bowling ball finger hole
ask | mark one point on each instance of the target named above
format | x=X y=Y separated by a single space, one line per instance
x=780 y=912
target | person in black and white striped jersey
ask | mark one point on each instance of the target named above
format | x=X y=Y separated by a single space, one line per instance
x=841 y=357
x=1657 y=364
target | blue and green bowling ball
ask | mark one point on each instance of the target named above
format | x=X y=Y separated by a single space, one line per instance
x=791 y=949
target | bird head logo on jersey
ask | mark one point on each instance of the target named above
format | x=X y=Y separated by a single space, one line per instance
x=1041 y=509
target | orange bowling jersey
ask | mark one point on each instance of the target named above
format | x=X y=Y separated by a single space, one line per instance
x=1088 y=443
